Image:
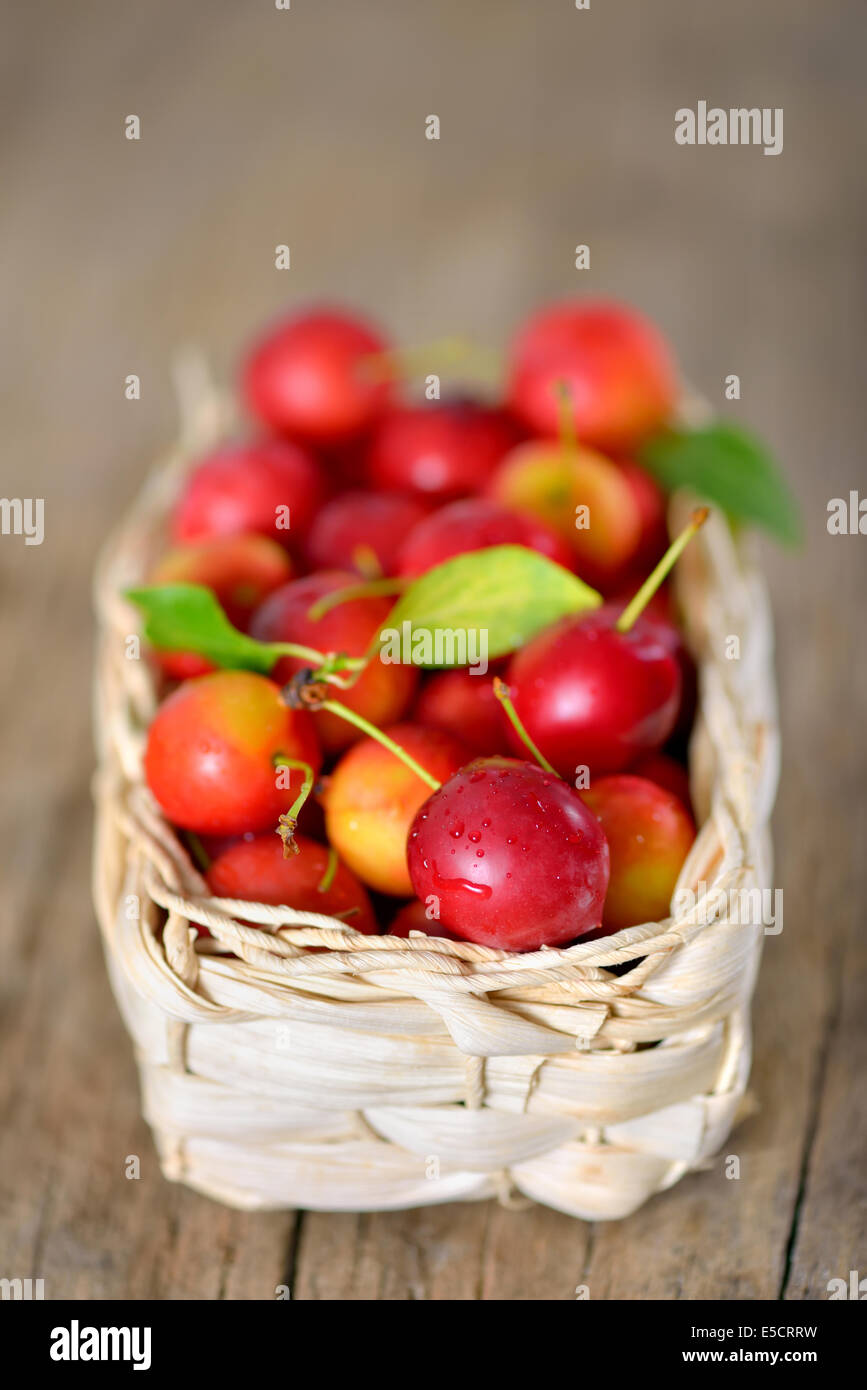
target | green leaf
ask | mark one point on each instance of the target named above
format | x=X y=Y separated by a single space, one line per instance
x=188 y=618
x=726 y=465
x=508 y=591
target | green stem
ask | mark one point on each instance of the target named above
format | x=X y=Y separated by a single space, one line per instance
x=365 y=588
x=639 y=602
x=344 y=712
x=308 y=654
x=503 y=694
x=198 y=853
x=366 y=561
x=356 y=669
x=330 y=870
x=288 y=821
x=326 y=666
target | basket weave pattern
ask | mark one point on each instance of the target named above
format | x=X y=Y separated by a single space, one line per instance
x=388 y=1072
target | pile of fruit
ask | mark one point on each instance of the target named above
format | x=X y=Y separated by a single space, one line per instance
x=420 y=667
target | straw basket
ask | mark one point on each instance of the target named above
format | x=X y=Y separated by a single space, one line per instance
x=388 y=1072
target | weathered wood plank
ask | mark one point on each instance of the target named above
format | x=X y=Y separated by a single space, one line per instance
x=426 y=1254
x=829 y=1235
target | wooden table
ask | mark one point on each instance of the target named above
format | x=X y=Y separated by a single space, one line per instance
x=307 y=127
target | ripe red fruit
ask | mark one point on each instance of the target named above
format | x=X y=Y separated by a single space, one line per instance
x=475 y=524
x=650 y=500
x=512 y=854
x=464 y=704
x=615 y=363
x=271 y=488
x=580 y=494
x=372 y=796
x=439 y=451
x=659 y=615
x=659 y=609
x=591 y=696
x=241 y=571
x=413 y=917
x=214 y=749
x=343 y=463
x=311 y=824
x=649 y=832
x=312 y=376
x=382 y=692
x=363 y=531
x=256 y=870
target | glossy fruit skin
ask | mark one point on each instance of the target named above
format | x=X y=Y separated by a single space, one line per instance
x=659 y=607
x=651 y=502
x=659 y=614
x=464 y=705
x=590 y=696
x=310 y=377
x=311 y=823
x=356 y=526
x=256 y=871
x=372 y=797
x=440 y=451
x=211 y=751
x=545 y=480
x=413 y=917
x=615 y=363
x=246 y=489
x=649 y=832
x=475 y=524
x=512 y=854
x=383 y=691
x=241 y=570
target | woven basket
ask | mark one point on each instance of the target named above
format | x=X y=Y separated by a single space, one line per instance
x=388 y=1072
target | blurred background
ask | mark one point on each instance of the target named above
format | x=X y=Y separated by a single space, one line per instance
x=307 y=127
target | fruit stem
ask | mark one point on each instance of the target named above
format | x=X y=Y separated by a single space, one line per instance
x=330 y=870
x=568 y=431
x=198 y=853
x=344 y=712
x=337 y=662
x=504 y=695
x=308 y=654
x=287 y=823
x=366 y=561
x=636 y=605
x=365 y=588
x=326 y=666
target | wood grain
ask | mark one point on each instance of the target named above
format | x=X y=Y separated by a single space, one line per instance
x=260 y=127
